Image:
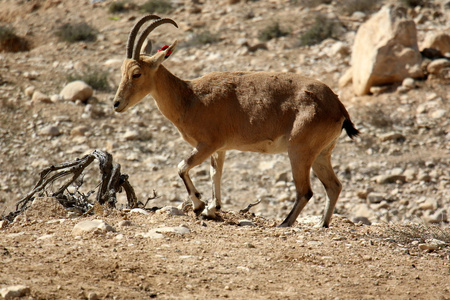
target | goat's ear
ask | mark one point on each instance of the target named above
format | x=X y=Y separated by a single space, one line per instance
x=164 y=54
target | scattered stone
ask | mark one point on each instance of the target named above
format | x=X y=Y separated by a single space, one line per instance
x=429 y=204
x=124 y=223
x=158 y=233
x=31 y=75
x=382 y=205
x=95 y=226
x=380 y=56
x=56 y=98
x=386 y=179
x=337 y=49
x=438 y=114
x=362 y=194
x=375 y=197
x=49 y=130
x=29 y=91
x=432 y=245
x=93 y=296
x=14 y=291
x=423 y=176
x=40 y=97
x=439 y=216
x=3 y=224
x=77 y=90
x=362 y=220
x=283 y=176
x=79 y=130
x=245 y=222
x=436 y=66
x=409 y=83
x=392 y=136
x=139 y=211
x=171 y=210
x=426 y=247
x=131 y=135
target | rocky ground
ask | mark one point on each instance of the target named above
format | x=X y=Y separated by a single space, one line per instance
x=396 y=172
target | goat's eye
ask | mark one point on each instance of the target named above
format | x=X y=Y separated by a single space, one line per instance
x=136 y=75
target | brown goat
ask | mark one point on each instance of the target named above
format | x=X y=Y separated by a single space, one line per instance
x=261 y=112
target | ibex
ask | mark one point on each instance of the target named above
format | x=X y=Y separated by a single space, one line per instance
x=248 y=111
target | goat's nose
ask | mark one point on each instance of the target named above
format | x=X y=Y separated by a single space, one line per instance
x=116 y=104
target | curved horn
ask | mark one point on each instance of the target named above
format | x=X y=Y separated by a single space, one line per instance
x=134 y=31
x=146 y=32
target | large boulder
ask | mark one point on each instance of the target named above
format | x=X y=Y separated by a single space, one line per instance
x=77 y=90
x=385 y=50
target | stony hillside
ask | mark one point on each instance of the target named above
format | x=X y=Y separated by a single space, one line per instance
x=395 y=172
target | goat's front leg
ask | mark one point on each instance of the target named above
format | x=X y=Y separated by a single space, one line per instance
x=198 y=155
x=217 y=160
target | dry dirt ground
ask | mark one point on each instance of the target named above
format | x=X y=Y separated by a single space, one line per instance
x=216 y=259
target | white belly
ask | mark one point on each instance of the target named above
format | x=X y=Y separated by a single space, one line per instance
x=278 y=145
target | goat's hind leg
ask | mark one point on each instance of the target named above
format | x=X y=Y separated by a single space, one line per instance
x=217 y=160
x=198 y=155
x=300 y=172
x=324 y=171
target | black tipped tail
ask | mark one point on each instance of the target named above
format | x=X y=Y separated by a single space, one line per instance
x=350 y=128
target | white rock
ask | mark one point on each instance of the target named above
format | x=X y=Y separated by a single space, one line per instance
x=409 y=83
x=358 y=16
x=158 y=233
x=96 y=226
x=139 y=211
x=3 y=224
x=392 y=136
x=438 y=114
x=437 y=65
x=375 y=197
x=246 y=222
x=385 y=51
x=77 y=90
x=171 y=210
x=337 y=49
x=14 y=291
x=131 y=135
x=49 y=130
x=29 y=91
x=56 y=98
x=79 y=130
x=124 y=223
x=40 y=97
x=438 y=216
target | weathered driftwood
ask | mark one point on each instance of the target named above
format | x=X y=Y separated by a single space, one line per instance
x=111 y=183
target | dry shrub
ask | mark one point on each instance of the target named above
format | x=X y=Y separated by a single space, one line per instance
x=10 y=42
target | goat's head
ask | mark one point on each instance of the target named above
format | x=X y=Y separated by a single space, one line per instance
x=138 y=71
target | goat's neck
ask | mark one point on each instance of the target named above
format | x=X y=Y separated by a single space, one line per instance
x=171 y=94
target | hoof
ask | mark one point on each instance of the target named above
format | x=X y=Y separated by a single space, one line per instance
x=321 y=225
x=200 y=209
x=211 y=213
x=283 y=225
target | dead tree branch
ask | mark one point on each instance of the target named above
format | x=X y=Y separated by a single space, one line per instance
x=111 y=183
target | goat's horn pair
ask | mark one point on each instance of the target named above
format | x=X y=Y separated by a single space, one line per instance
x=131 y=38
